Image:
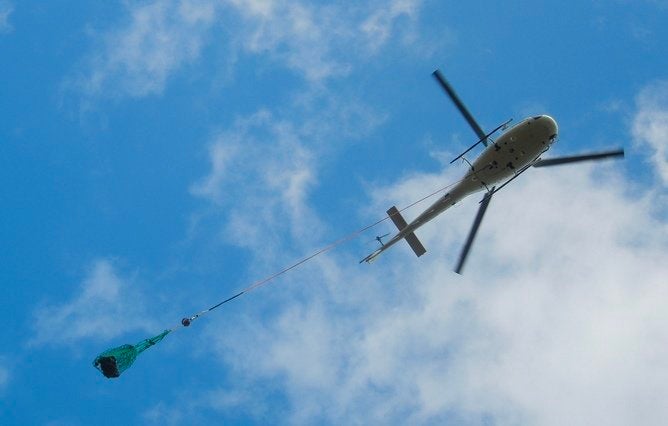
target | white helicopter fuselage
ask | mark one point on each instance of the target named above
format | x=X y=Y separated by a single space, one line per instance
x=515 y=150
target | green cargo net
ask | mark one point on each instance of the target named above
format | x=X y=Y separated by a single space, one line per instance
x=113 y=362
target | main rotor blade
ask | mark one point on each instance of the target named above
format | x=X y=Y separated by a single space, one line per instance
x=474 y=230
x=575 y=158
x=460 y=106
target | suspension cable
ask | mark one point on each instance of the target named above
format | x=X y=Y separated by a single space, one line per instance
x=185 y=322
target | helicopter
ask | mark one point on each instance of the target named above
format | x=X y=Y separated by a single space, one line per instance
x=517 y=148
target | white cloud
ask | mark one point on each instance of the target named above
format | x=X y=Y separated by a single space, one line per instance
x=650 y=125
x=158 y=39
x=320 y=42
x=379 y=26
x=261 y=166
x=317 y=42
x=106 y=306
x=6 y=9
x=299 y=35
x=557 y=320
x=264 y=169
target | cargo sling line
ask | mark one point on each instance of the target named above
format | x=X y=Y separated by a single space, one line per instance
x=112 y=362
x=185 y=322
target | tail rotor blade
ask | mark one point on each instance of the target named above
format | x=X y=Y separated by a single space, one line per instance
x=474 y=230
x=576 y=158
x=379 y=238
x=460 y=106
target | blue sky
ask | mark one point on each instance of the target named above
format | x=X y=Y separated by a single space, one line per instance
x=158 y=156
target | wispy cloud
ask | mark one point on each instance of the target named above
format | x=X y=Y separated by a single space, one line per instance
x=317 y=42
x=157 y=39
x=650 y=125
x=260 y=165
x=380 y=25
x=6 y=9
x=106 y=305
x=299 y=35
x=268 y=163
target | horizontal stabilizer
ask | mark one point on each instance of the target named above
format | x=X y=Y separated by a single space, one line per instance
x=397 y=218
x=415 y=244
x=411 y=238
